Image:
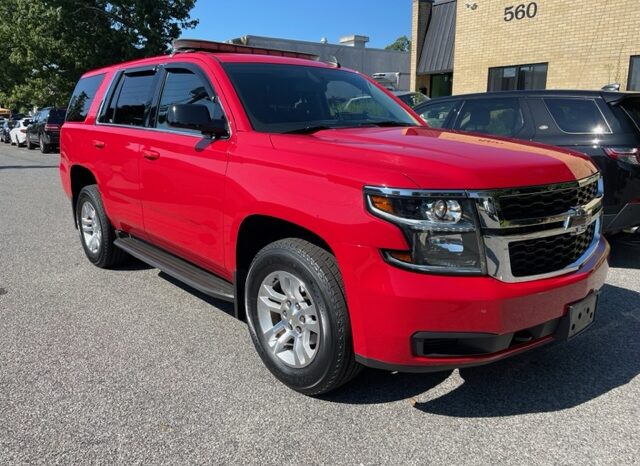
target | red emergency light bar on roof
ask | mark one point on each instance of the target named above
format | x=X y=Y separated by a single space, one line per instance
x=193 y=45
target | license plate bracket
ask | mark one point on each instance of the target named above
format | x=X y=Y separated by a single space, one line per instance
x=581 y=315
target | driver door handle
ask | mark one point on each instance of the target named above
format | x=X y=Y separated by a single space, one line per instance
x=150 y=154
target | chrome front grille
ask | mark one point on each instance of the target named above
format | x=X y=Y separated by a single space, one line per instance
x=545 y=203
x=539 y=232
x=539 y=256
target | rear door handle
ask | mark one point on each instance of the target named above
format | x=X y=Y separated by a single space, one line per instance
x=150 y=154
x=98 y=144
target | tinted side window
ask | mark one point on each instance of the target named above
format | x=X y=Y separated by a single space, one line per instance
x=577 y=115
x=133 y=100
x=82 y=97
x=437 y=113
x=502 y=117
x=185 y=87
x=632 y=108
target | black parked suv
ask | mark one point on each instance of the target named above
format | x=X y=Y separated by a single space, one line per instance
x=603 y=125
x=44 y=130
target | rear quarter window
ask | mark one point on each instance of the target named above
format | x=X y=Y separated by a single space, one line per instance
x=82 y=97
x=577 y=116
x=632 y=109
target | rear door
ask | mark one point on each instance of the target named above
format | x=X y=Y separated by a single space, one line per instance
x=122 y=124
x=183 y=173
x=34 y=128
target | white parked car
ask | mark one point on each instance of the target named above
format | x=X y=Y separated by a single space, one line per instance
x=18 y=134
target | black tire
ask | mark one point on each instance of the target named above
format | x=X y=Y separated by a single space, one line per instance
x=44 y=148
x=107 y=254
x=334 y=362
x=30 y=146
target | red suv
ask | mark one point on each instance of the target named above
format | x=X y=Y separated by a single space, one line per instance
x=346 y=232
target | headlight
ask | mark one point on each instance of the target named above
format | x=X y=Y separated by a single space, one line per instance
x=441 y=229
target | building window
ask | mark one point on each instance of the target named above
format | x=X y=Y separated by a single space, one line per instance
x=518 y=77
x=634 y=74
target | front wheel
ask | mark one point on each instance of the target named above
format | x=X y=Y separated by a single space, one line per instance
x=30 y=146
x=298 y=316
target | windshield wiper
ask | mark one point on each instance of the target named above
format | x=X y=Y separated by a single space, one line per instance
x=315 y=128
x=385 y=124
x=309 y=129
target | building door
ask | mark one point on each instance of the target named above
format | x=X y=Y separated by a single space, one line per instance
x=441 y=85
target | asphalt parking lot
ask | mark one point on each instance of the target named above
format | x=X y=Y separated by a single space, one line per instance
x=127 y=366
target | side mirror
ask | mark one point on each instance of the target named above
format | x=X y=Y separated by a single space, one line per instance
x=196 y=117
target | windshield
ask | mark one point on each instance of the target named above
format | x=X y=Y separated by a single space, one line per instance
x=289 y=98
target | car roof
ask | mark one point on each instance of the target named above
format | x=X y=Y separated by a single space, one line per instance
x=609 y=96
x=222 y=57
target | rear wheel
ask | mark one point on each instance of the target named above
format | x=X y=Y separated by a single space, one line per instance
x=96 y=232
x=298 y=316
x=44 y=148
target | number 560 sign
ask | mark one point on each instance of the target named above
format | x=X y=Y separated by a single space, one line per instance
x=521 y=11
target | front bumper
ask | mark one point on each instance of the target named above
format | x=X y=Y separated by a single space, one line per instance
x=391 y=309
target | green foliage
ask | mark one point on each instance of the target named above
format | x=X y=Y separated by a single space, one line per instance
x=402 y=44
x=47 y=44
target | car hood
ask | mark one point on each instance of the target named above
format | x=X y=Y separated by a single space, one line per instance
x=436 y=159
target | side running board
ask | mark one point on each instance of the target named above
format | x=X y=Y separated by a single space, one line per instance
x=192 y=275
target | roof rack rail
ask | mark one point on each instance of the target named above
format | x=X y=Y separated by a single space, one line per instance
x=195 y=45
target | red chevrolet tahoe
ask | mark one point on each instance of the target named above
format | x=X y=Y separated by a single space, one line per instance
x=346 y=232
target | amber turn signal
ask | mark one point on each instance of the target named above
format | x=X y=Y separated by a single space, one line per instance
x=382 y=203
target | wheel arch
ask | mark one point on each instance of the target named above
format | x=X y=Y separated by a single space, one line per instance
x=254 y=233
x=80 y=176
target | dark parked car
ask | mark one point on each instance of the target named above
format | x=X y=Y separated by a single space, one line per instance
x=603 y=125
x=44 y=130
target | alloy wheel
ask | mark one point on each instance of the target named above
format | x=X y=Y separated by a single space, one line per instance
x=91 y=230
x=288 y=319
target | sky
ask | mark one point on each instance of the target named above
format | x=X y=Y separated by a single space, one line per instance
x=382 y=21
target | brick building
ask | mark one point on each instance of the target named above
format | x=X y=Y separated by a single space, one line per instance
x=466 y=46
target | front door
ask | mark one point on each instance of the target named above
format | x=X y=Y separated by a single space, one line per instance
x=182 y=174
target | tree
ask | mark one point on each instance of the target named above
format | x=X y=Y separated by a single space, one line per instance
x=403 y=44
x=48 y=44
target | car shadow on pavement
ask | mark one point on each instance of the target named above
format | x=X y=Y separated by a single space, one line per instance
x=224 y=306
x=132 y=264
x=552 y=378
x=557 y=377
x=625 y=251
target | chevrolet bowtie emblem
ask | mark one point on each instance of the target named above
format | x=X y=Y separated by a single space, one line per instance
x=577 y=218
